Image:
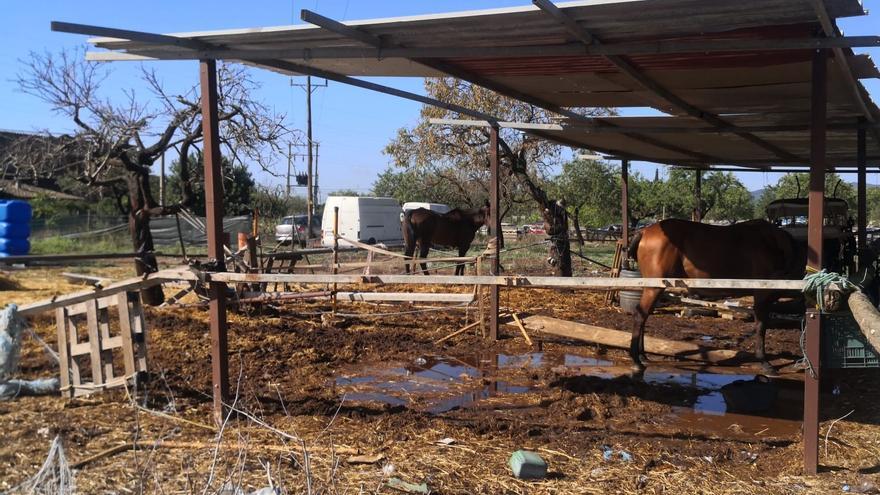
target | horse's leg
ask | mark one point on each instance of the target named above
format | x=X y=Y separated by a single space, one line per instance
x=459 y=266
x=424 y=248
x=409 y=249
x=637 y=342
x=762 y=314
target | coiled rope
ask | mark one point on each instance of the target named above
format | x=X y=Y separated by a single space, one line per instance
x=817 y=283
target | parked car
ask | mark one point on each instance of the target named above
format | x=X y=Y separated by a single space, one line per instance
x=293 y=228
x=365 y=219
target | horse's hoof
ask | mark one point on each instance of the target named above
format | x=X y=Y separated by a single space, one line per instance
x=638 y=368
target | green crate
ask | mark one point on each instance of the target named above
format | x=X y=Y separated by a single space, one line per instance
x=844 y=345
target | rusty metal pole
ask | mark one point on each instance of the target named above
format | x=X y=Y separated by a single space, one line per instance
x=214 y=220
x=862 y=221
x=815 y=223
x=335 y=252
x=698 y=196
x=495 y=223
x=624 y=201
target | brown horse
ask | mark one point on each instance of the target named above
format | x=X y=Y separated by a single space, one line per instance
x=455 y=228
x=681 y=249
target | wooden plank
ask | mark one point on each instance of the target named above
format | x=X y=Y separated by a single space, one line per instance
x=135 y=283
x=95 y=359
x=621 y=339
x=125 y=333
x=80 y=308
x=63 y=349
x=592 y=283
x=139 y=328
x=405 y=296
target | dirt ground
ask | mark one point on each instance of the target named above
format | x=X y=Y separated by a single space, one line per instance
x=347 y=405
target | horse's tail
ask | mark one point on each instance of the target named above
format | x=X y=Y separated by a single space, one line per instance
x=409 y=233
x=633 y=250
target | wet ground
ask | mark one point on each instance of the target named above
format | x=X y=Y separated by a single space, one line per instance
x=445 y=414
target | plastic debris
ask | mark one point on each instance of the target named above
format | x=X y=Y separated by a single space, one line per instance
x=608 y=454
x=11 y=329
x=846 y=487
x=399 y=484
x=420 y=361
x=446 y=441
x=39 y=386
x=527 y=465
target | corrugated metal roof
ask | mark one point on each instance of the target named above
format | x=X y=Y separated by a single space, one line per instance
x=721 y=83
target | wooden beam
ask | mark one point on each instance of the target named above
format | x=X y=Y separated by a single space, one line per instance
x=405 y=297
x=587 y=283
x=628 y=68
x=130 y=284
x=620 y=339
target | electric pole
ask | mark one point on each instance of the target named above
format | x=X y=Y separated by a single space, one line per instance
x=310 y=203
x=311 y=167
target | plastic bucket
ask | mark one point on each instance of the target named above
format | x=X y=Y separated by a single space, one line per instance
x=629 y=299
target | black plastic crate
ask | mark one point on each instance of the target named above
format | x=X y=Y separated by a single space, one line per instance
x=844 y=345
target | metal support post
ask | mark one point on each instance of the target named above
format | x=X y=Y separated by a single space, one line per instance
x=335 y=251
x=214 y=220
x=495 y=225
x=698 y=196
x=862 y=221
x=815 y=223
x=624 y=201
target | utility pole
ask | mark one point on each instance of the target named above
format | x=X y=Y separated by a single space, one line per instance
x=315 y=193
x=289 y=166
x=311 y=167
x=310 y=203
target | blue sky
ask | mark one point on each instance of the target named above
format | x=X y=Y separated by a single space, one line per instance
x=352 y=125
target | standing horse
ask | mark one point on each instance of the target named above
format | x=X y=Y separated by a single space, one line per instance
x=455 y=228
x=681 y=249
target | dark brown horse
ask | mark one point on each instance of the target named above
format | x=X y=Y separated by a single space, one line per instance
x=681 y=249
x=455 y=228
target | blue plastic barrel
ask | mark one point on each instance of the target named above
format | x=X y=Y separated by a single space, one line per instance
x=15 y=227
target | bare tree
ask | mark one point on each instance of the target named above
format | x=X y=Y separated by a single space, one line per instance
x=117 y=140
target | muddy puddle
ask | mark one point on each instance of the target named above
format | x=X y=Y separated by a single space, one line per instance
x=726 y=405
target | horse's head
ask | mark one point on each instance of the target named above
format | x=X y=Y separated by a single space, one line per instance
x=482 y=216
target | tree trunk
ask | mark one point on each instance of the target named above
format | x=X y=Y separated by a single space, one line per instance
x=556 y=220
x=141 y=237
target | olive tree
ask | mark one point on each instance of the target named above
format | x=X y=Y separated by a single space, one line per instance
x=117 y=139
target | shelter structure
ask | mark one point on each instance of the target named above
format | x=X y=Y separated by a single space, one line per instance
x=746 y=85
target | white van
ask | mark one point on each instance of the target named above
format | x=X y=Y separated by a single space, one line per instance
x=435 y=207
x=364 y=219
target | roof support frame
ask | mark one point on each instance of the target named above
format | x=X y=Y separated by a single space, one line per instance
x=447 y=68
x=595 y=128
x=566 y=49
x=842 y=65
x=651 y=85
